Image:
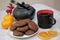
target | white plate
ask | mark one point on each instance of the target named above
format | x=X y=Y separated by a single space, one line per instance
x=4 y=33
x=22 y=37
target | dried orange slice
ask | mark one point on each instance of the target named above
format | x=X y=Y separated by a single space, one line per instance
x=43 y=35
x=52 y=33
x=47 y=35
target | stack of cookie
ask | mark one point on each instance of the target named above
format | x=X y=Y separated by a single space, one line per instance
x=24 y=27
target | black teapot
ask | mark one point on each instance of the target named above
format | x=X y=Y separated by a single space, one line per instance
x=23 y=11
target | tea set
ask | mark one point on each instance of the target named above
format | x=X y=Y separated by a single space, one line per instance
x=15 y=16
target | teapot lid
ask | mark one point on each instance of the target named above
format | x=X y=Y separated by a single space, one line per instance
x=18 y=4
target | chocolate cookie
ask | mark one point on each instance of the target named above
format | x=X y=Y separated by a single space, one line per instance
x=29 y=32
x=20 y=23
x=33 y=26
x=13 y=27
x=17 y=33
x=22 y=29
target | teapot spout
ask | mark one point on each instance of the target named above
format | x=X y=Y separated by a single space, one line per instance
x=12 y=1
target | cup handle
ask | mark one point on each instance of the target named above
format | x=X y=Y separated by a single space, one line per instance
x=54 y=21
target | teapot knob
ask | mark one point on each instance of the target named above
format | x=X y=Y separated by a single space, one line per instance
x=23 y=3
